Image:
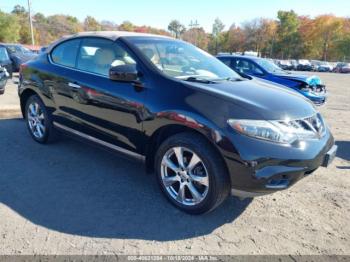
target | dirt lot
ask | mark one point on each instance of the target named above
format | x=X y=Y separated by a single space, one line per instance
x=71 y=198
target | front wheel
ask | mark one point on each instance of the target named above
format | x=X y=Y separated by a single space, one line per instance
x=191 y=173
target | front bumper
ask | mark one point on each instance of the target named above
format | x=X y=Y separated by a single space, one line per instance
x=262 y=167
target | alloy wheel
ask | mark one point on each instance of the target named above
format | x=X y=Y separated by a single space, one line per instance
x=184 y=176
x=36 y=120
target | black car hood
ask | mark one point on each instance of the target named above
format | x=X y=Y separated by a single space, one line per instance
x=265 y=100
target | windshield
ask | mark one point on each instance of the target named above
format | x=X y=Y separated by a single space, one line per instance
x=182 y=60
x=3 y=54
x=269 y=66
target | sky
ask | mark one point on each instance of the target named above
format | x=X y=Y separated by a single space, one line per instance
x=158 y=13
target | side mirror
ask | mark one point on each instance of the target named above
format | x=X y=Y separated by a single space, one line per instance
x=123 y=73
x=240 y=72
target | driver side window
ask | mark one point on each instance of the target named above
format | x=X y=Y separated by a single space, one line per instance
x=247 y=67
x=98 y=55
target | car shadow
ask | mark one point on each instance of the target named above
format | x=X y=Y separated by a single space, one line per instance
x=343 y=152
x=79 y=189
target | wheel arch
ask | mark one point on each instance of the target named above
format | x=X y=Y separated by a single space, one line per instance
x=210 y=134
x=24 y=98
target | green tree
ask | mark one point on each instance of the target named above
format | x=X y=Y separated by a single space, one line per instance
x=288 y=38
x=19 y=10
x=176 y=28
x=218 y=26
x=23 y=19
x=9 y=28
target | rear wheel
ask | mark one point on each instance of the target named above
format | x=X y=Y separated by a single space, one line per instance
x=191 y=173
x=38 y=120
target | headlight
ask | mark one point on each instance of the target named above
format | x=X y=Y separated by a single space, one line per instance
x=285 y=131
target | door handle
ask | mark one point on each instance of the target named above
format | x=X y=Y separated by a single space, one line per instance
x=76 y=86
x=138 y=86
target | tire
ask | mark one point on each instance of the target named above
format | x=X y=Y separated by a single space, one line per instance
x=37 y=118
x=209 y=177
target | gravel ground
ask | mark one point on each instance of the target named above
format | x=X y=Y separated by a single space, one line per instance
x=72 y=198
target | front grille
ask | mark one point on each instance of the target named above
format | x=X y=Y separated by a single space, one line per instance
x=314 y=125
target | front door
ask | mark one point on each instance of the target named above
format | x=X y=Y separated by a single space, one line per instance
x=99 y=107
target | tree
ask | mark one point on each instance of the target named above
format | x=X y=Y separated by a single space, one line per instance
x=9 y=28
x=287 y=34
x=218 y=26
x=327 y=30
x=91 y=24
x=127 y=26
x=108 y=26
x=176 y=28
x=19 y=10
x=198 y=37
x=236 y=39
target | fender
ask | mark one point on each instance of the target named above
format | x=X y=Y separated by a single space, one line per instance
x=173 y=122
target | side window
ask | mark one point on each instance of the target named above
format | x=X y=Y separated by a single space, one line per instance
x=3 y=54
x=241 y=65
x=226 y=61
x=98 y=55
x=66 y=53
x=247 y=67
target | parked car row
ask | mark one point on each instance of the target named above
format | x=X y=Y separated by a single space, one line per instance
x=342 y=68
x=204 y=129
x=313 y=65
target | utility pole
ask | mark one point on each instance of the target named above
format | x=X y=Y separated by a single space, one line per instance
x=193 y=25
x=30 y=21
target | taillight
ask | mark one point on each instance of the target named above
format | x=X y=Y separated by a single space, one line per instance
x=22 y=67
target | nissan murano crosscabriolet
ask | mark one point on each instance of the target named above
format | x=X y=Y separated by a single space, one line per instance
x=201 y=128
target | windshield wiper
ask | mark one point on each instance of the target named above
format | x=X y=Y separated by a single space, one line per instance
x=233 y=79
x=199 y=80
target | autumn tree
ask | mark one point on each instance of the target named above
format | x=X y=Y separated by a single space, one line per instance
x=326 y=31
x=198 y=37
x=91 y=24
x=127 y=26
x=108 y=25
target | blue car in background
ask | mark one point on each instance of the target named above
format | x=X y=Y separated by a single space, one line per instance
x=309 y=86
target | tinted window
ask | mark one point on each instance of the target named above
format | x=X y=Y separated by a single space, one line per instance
x=66 y=53
x=225 y=60
x=97 y=55
x=269 y=66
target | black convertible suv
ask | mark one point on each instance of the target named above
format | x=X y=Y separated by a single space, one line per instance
x=202 y=129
